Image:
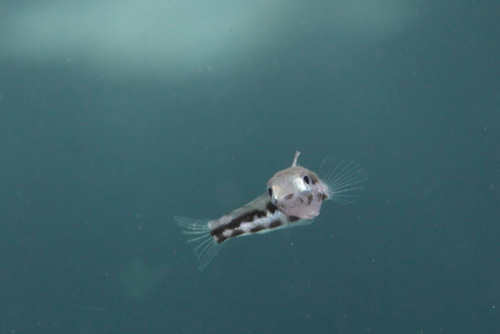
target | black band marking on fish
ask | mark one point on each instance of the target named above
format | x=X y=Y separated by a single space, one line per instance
x=257 y=228
x=275 y=223
x=271 y=207
x=236 y=222
x=236 y=233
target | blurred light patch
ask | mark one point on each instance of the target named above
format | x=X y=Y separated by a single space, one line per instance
x=180 y=38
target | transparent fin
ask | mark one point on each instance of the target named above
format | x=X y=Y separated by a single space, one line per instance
x=302 y=222
x=345 y=178
x=205 y=246
x=288 y=227
x=286 y=230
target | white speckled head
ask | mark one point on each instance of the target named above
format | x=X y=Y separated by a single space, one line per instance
x=297 y=191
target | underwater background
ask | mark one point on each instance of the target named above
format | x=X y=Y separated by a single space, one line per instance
x=117 y=115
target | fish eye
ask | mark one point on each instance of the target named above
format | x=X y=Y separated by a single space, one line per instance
x=270 y=191
x=306 y=179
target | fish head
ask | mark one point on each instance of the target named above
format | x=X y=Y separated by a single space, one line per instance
x=297 y=192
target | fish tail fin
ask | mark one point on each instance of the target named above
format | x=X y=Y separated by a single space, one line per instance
x=345 y=179
x=205 y=246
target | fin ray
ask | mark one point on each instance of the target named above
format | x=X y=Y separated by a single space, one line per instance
x=345 y=178
x=205 y=246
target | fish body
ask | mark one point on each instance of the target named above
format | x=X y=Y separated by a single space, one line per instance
x=294 y=197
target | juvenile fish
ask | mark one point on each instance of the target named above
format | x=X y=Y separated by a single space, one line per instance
x=294 y=197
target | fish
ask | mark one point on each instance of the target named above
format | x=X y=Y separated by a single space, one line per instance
x=293 y=197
